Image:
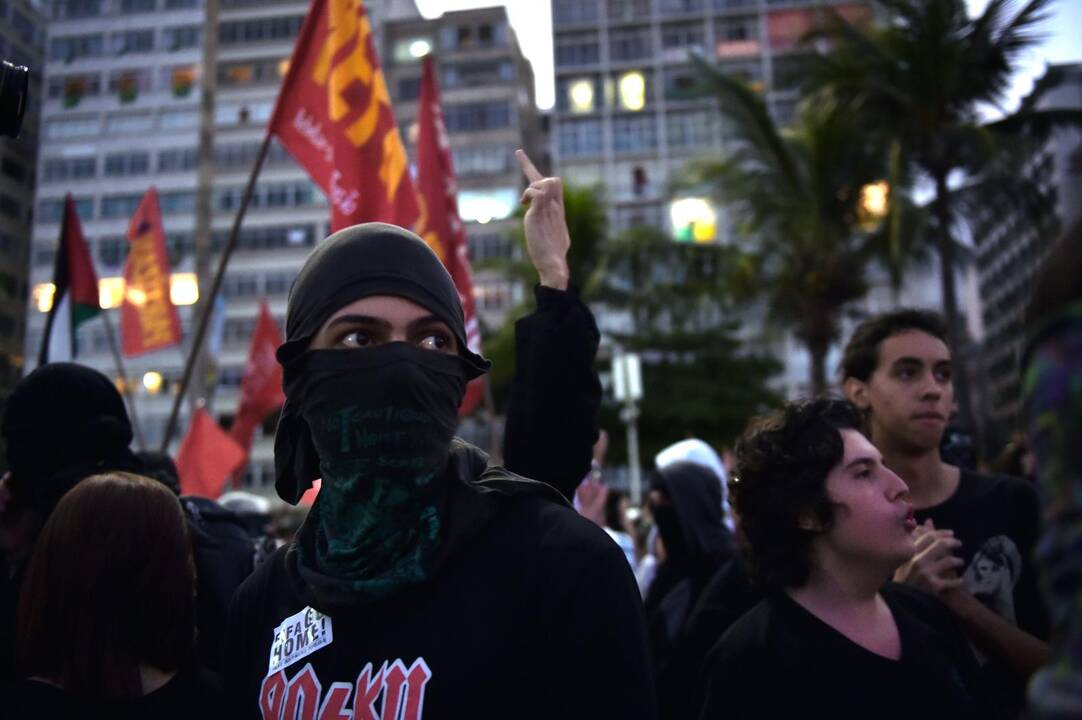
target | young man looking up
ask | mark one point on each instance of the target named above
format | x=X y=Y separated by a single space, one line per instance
x=977 y=532
x=827 y=523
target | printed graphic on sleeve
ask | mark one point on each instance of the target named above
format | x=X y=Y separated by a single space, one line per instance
x=397 y=691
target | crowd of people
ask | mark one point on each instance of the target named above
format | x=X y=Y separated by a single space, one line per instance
x=836 y=566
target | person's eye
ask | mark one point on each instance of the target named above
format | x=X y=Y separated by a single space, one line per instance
x=905 y=373
x=355 y=339
x=864 y=474
x=435 y=341
x=943 y=375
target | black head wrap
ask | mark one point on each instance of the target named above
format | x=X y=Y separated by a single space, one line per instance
x=62 y=423
x=354 y=263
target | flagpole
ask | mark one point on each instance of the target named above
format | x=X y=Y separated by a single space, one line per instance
x=215 y=288
x=136 y=426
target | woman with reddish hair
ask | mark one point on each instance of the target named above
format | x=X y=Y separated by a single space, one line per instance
x=107 y=609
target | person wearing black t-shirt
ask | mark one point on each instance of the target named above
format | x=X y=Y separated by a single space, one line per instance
x=827 y=523
x=977 y=533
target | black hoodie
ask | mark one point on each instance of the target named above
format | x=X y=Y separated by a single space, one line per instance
x=533 y=614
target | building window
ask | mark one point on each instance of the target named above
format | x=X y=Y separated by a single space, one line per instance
x=176 y=203
x=24 y=28
x=120 y=206
x=478 y=116
x=182 y=4
x=682 y=35
x=129 y=84
x=74 y=47
x=481 y=160
x=131 y=7
x=53 y=210
x=277 y=283
x=690 y=129
x=240 y=286
x=683 y=83
x=409 y=88
x=81 y=168
x=74 y=9
x=627 y=10
x=635 y=133
x=490 y=246
x=477 y=74
x=112 y=251
x=179 y=119
x=630 y=44
x=580 y=48
x=131 y=41
x=578 y=138
x=125 y=164
x=260 y=30
x=574 y=12
x=73 y=88
x=181 y=37
x=578 y=94
x=253 y=72
x=129 y=123
x=679 y=7
x=72 y=128
x=177 y=159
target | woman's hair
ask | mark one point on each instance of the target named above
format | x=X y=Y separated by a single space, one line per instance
x=1057 y=284
x=781 y=473
x=110 y=586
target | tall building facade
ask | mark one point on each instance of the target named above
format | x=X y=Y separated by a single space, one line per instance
x=487 y=90
x=121 y=113
x=22 y=40
x=1010 y=254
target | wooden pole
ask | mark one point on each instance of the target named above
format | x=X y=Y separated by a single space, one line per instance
x=215 y=288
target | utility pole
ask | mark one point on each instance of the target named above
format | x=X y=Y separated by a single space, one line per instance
x=627 y=388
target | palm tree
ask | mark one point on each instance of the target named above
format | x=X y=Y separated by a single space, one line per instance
x=797 y=194
x=919 y=81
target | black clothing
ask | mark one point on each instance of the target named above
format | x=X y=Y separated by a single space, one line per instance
x=697 y=545
x=532 y=612
x=63 y=422
x=726 y=598
x=781 y=661
x=190 y=694
x=353 y=263
x=224 y=557
x=555 y=393
x=997 y=519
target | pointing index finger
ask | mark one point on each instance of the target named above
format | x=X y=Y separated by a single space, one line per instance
x=528 y=168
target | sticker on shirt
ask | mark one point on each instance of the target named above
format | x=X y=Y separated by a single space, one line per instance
x=299 y=636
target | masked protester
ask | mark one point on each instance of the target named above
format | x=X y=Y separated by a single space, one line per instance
x=423 y=581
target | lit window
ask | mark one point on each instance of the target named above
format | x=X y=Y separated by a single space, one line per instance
x=484 y=206
x=581 y=95
x=632 y=91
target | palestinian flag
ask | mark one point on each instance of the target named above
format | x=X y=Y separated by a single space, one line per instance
x=75 y=295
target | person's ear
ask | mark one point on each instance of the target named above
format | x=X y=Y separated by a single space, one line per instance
x=857 y=392
x=808 y=521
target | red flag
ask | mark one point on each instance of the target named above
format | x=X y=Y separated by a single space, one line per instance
x=148 y=318
x=207 y=456
x=440 y=223
x=334 y=116
x=261 y=384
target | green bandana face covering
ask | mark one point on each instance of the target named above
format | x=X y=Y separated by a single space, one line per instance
x=381 y=420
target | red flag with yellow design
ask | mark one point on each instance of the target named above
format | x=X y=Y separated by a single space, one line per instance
x=334 y=116
x=148 y=319
x=440 y=226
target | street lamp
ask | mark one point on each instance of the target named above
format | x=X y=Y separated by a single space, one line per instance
x=627 y=388
x=874 y=203
x=694 y=220
x=152 y=381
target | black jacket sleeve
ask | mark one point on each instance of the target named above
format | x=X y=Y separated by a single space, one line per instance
x=555 y=397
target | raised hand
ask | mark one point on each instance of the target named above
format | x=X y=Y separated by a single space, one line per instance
x=547 y=239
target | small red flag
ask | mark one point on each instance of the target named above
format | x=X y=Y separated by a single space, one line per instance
x=440 y=226
x=334 y=116
x=261 y=384
x=207 y=457
x=148 y=318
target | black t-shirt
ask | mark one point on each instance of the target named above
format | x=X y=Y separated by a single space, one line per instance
x=781 y=661
x=997 y=519
x=193 y=694
x=538 y=616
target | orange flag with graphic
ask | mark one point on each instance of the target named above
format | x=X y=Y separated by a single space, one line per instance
x=148 y=318
x=207 y=457
x=334 y=116
x=441 y=227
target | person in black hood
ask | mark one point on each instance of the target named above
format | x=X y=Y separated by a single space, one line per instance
x=685 y=501
x=62 y=423
x=423 y=580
